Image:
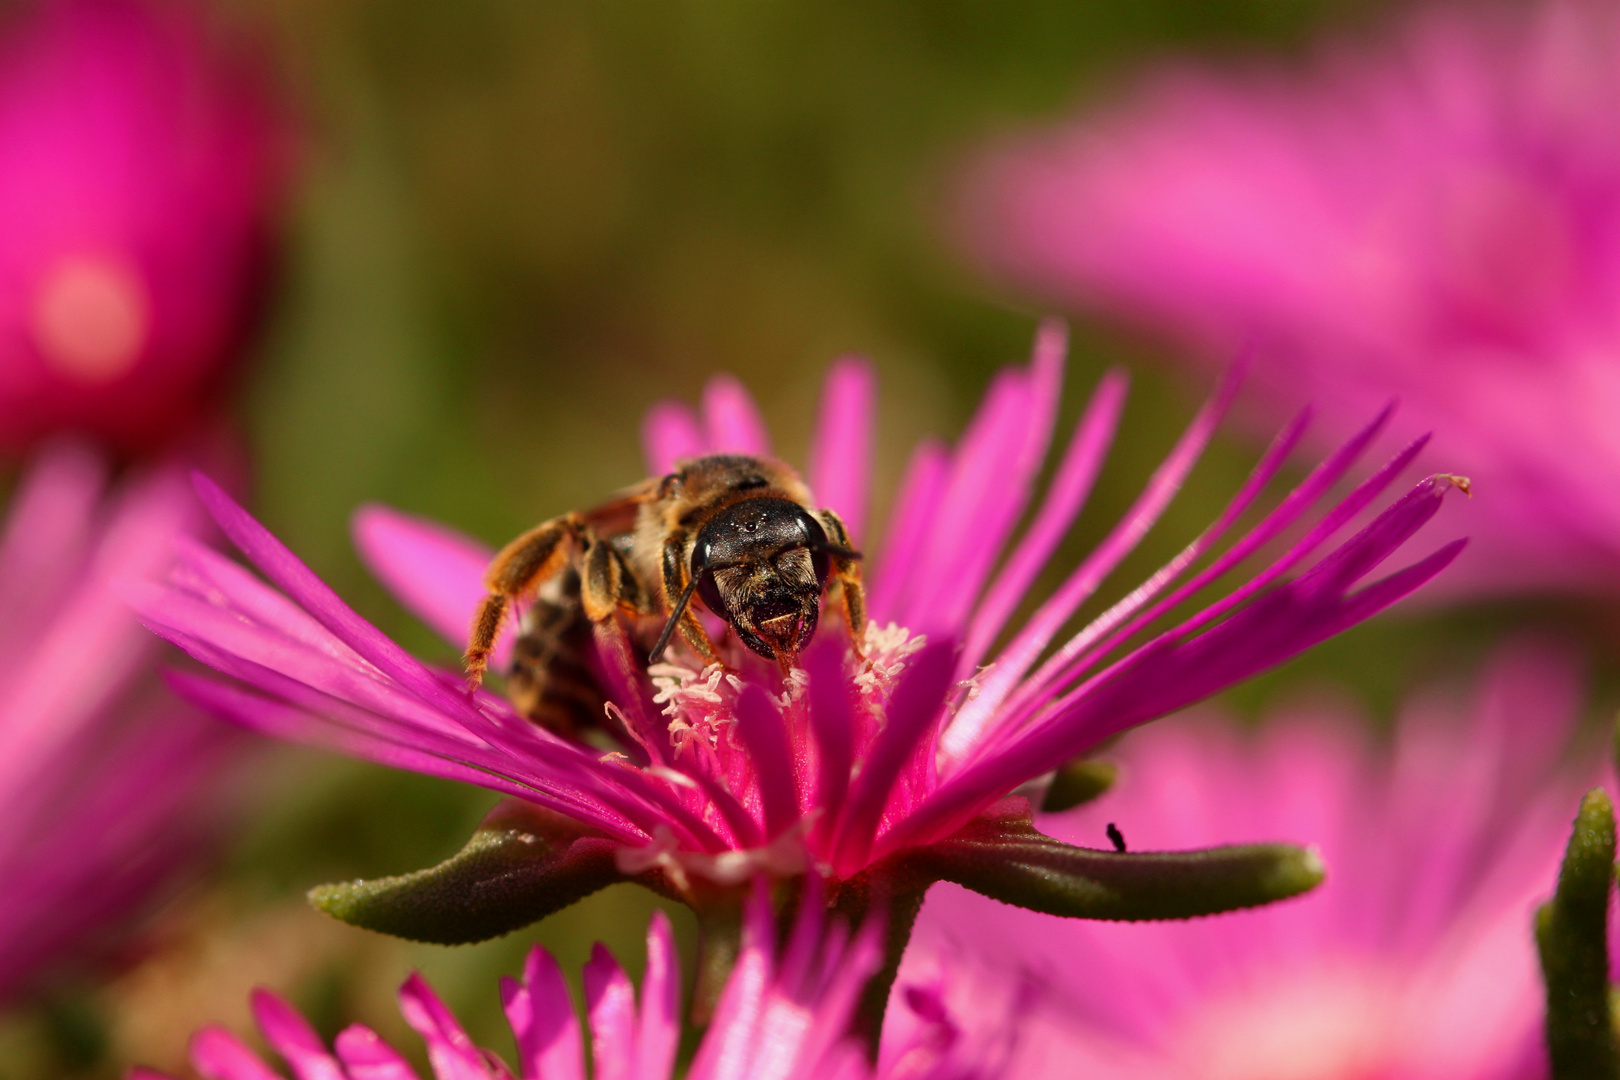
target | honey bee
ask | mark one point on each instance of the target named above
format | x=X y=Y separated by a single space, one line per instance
x=739 y=535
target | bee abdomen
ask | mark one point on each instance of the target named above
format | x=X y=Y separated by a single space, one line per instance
x=549 y=680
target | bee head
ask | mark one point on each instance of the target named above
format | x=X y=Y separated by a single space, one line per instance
x=760 y=564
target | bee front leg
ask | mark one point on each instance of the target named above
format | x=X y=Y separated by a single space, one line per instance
x=520 y=568
x=675 y=582
x=846 y=569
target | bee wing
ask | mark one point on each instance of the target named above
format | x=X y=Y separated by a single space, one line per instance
x=617 y=515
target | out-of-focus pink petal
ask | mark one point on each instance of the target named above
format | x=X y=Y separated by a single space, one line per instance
x=366 y=1057
x=291 y=1036
x=219 y=1055
x=658 y=1033
x=451 y=1052
x=144 y=157
x=841 y=452
x=610 y=1005
x=671 y=433
x=731 y=419
x=543 y=1021
x=1431 y=212
x=437 y=573
x=1396 y=968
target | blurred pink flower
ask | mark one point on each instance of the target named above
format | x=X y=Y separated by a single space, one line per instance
x=1433 y=217
x=102 y=773
x=731 y=772
x=1414 y=960
x=782 y=1016
x=141 y=161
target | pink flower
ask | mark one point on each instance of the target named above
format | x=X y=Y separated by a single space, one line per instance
x=783 y=1016
x=730 y=772
x=140 y=163
x=1414 y=960
x=103 y=775
x=1434 y=216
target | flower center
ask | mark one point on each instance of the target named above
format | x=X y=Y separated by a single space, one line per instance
x=91 y=317
x=1336 y=1024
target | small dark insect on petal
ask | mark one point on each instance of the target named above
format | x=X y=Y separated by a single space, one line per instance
x=1116 y=838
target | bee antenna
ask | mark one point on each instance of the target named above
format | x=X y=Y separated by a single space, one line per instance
x=668 y=632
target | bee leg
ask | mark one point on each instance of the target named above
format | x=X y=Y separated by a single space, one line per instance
x=675 y=583
x=518 y=569
x=847 y=570
x=606 y=583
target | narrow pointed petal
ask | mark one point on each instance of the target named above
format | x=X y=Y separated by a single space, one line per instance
x=909 y=525
x=1020 y=654
x=1068 y=492
x=841 y=451
x=366 y=1057
x=520 y=866
x=610 y=1004
x=451 y=1052
x=671 y=433
x=659 y=1026
x=1169 y=674
x=913 y=710
x=993 y=477
x=316 y=597
x=830 y=704
x=436 y=572
x=1572 y=937
x=763 y=732
x=218 y=1054
x=543 y=1021
x=291 y=1036
x=732 y=420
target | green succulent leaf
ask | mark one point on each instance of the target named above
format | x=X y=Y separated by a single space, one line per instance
x=1007 y=859
x=1078 y=782
x=522 y=864
x=1572 y=937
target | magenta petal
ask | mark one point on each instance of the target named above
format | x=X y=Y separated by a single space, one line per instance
x=1070 y=486
x=219 y=1055
x=1013 y=661
x=1168 y=674
x=762 y=729
x=841 y=451
x=366 y=1057
x=543 y=1021
x=610 y=1004
x=659 y=1029
x=732 y=420
x=669 y=434
x=830 y=704
x=892 y=581
x=291 y=1036
x=981 y=486
x=436 y=572
x=451 y=1051
x=913 y=710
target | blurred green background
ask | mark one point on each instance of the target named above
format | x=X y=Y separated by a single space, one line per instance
x=520 y=224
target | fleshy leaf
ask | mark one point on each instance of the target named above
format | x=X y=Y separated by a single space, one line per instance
x=1572 y=937
x=522 y=864
x=1007 y=859
x=1080 y=781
